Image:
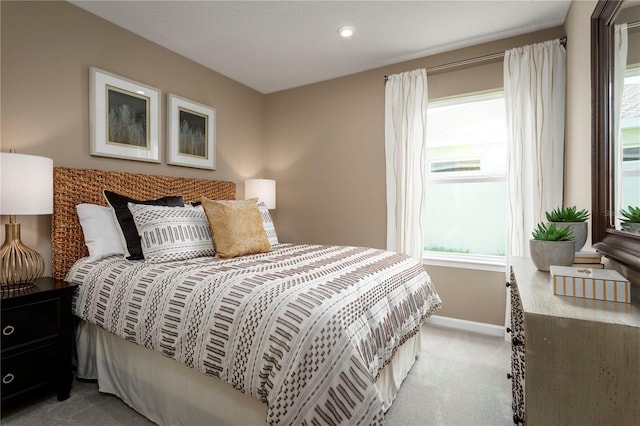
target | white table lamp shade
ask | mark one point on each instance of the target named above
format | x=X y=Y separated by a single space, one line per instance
x=26 y=184
x=262 y=189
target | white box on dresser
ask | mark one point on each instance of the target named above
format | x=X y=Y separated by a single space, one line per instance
x=575 y=361
x=602 y=284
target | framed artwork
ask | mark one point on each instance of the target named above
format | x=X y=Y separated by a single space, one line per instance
x=191 y=129
x=125 y=118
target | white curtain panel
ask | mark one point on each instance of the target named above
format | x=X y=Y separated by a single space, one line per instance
x=534 y=89
x=534 y=86
x=620 y=48
x=405 y=150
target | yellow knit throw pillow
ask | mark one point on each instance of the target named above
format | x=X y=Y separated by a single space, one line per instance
x=236 y=227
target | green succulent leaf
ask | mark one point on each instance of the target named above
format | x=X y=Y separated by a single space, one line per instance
x=552 y=233
x=632 y=214
x=567 y=214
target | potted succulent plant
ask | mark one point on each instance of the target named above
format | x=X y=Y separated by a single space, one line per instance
x=552 y=246
x=631 y=222
x=571 y=217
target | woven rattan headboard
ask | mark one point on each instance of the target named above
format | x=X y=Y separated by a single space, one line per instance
x=76 y=186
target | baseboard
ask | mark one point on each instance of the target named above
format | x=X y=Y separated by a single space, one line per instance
x=476 y=327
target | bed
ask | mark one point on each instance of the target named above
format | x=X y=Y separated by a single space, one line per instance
x=298 y=334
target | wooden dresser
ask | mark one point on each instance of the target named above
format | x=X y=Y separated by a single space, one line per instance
x=574 y=361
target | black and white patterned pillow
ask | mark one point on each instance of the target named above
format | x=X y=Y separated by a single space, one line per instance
x=267 y=222
x=172 y=233
x=130 y=237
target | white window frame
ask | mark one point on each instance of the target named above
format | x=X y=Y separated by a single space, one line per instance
x=464 y=260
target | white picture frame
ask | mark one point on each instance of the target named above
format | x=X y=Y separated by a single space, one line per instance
x=191 y=133
x=124 y=118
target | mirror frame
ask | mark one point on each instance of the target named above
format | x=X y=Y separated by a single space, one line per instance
x=621 y=247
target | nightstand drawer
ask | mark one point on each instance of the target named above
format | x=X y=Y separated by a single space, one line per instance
x=36 y=332
x=27 y=370
x=30 y=323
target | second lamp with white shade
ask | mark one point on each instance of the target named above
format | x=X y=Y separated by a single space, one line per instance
x=262 y=189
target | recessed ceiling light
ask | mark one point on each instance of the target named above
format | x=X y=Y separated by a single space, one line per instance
x=345 y=31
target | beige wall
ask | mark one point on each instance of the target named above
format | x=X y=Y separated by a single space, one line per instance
x=324 y=143
x=577 y=172
x=469 y=294
x=325 y=148
x=47 y=49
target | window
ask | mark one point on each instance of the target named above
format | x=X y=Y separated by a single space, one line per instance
x=466 y=191
x=630 y=132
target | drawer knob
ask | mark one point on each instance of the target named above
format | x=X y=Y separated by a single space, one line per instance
x=8 y=330
x=8 y=378
x=508 y=284
x=508 y=330
x=509 y=376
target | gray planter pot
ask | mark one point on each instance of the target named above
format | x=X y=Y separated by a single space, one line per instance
x=580 y=231
x=633 y=227
x=547 y=253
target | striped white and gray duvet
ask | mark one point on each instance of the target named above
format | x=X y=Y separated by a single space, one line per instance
x=304 y=328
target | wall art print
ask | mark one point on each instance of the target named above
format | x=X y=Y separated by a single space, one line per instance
x=125 y=118
x=191 y=133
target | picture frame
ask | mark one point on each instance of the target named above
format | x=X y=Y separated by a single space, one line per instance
x=124 y=117
x=191 y=133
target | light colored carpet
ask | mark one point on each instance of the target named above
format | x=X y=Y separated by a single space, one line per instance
x=459 y=380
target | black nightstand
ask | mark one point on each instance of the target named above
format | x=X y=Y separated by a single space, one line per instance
x=37 y=340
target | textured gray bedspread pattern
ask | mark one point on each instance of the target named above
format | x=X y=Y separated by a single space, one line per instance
x=304 y=328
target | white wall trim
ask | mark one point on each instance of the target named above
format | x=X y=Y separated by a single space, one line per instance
x=465 y=261
x=476 y=327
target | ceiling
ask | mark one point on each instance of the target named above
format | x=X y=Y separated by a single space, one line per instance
x=277 y=45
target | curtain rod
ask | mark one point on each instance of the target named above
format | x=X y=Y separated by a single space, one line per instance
x=563 y=41
x=633 y=24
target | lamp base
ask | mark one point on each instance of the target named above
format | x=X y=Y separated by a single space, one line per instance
x=20 y=266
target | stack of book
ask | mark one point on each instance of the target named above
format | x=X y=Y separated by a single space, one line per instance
x=588 y=259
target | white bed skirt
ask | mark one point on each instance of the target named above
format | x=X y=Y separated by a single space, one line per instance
x=170 y=393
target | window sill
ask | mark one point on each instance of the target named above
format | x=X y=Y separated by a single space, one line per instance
x=465 y=261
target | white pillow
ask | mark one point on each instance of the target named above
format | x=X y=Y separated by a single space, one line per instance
x=267 y=223
x=101 y=235
x=172 y=233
